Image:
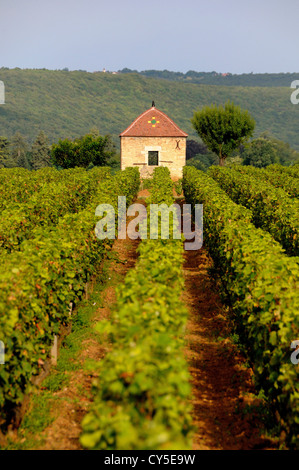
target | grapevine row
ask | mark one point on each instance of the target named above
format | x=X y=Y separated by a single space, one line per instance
x=272 y=209
x=17 y=185
x=141 y=396
x=261 y=284
x=39 y=283
x=69 y=191
x=273 y=174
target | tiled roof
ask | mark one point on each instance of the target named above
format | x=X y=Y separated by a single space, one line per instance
x=153 y=123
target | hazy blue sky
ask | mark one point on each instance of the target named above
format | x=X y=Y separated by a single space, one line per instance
x=227 y=36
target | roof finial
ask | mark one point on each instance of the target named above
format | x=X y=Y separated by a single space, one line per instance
x=153 y=104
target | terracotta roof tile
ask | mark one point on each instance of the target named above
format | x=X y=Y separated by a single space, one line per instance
x=153 y=123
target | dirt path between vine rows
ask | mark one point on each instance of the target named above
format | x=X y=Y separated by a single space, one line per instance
x=75 y=399
x=222 y=386
x=224 y=405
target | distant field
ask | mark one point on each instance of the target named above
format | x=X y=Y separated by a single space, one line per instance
x=68 y=104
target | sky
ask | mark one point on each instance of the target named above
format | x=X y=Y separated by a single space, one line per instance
x=233 y=36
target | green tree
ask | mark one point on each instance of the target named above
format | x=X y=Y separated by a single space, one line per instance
x=287 y=155
x=88 y=150
x=203 y=161
x=260 y=153
x=223 y=129
x=6 y=160
x=40 y=151
x=19 y=150
x=63 y=154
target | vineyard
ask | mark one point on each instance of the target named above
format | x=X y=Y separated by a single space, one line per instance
x=145 y=376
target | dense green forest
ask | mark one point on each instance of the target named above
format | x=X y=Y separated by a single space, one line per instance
x=68 y=104
x=226 y=79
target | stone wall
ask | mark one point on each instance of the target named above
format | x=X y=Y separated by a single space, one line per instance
x=172 y=153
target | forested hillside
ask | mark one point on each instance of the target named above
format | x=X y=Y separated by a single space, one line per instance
x=226 y=79
x=68 y=104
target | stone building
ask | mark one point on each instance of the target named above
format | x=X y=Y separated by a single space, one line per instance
x=152 y=140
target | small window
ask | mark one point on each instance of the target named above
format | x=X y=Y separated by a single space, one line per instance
x=153 y=158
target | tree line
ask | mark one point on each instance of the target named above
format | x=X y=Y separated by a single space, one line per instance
x=217 y=78
x=16 y=152
x=226 y=130
x=111 y=102
x=86 y=151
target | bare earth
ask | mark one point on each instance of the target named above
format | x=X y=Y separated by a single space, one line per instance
x=64 y=432
x=221 y=381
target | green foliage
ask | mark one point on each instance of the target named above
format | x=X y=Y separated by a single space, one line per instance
x=40 y=153
x=39 y=282
x=146 y=183
x=194 y=148
x=260 y=153
x=203 y=162
x=19 y=150
x=278 y=175
x=142 y=393
x=18 y=184
x=286 y=154
x=294 y=170
x=64 y=155
x=220 y=79
x=128 y=183
x=223 y=129
x=5 y=158
x=273 y=210
x=89 y=149
x=261 y=284
x=69 y=192
x=178 y=187
x=38 y=418
x=69 y=104
x=161 y=187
